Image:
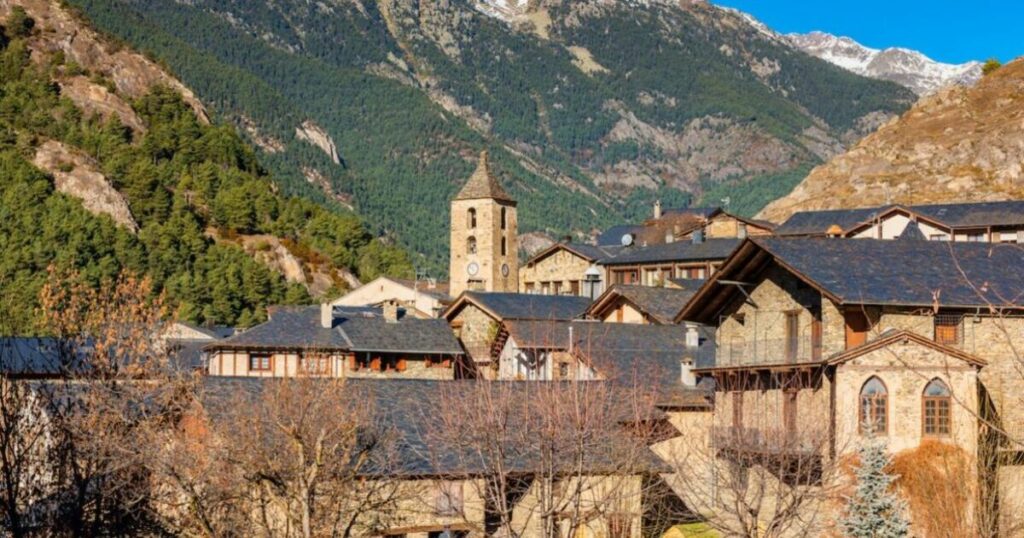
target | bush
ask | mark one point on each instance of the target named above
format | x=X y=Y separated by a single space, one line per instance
x=990 y=65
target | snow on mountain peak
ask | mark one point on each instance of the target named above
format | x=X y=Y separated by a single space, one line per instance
x=903 y=66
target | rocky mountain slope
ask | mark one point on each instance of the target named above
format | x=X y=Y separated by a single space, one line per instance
x=108 y=163
x=591 y=108
x=958 y=144
x=906 y=67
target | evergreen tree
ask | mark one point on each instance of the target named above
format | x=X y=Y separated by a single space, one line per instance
x=874 y=511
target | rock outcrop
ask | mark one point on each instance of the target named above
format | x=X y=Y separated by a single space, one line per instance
x=961 y=144
x=316 y=135
x=76 y=175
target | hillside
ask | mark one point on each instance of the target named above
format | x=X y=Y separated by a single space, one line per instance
x=591 y=109
x=107 y=163
x=959 y=144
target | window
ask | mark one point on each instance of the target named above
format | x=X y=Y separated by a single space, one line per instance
x=975 y=238
x=737 y=410
x=857 y=327
x=504 y=219
x=936 y=405
x=792 y=335
x=937 y=237
x=315 y=365
x=574 y=287
x=471 y=217
x=563 y=370
x=448 y=499
x=471 y=245
x=504 y=246
x=789 y=413
x=874 y=407
x=530 y=288
x=259 y=363
x=947 y=329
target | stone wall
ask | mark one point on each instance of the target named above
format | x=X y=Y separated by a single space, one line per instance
x=476 y=330
x=488 y=258
x=559 y=266
x=761 y=335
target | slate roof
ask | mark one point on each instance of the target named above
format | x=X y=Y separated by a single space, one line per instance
x=622 y=352
x=912 y=232
x=482 y=184
x=40 y=356
x=506 y=306
x=975 y=214
x=440 y=291
x=690 y=284
x=593 y=253
x=355 y=329
x=660 y=303
x=679 y=251
x=214 y=331
x=405 y=408
x=613 y=236
x=818 y=222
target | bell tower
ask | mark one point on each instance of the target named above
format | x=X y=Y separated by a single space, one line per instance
x=484 y=240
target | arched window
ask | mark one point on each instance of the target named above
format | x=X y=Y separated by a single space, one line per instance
x=503 y=218
x=936 y=406
x=874 y=407
x=471 y=245
x=472 y=217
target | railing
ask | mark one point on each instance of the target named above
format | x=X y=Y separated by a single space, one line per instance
x=767 y=351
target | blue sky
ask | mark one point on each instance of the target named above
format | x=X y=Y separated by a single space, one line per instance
x=946 y=30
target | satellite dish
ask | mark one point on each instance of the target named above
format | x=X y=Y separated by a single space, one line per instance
x=627 y=240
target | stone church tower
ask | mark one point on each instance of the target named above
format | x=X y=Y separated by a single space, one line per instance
x=484 y=241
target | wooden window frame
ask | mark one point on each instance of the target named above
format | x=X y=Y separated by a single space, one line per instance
x=322 y=364
x=872 y=412
x=792 y=327
x=946 y=321
x=947 y=401
x=270 y=362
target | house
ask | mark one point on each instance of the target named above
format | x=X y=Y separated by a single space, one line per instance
x=626 y=303
x=655 y=265
x=186 y=342
x=567 y=269
x=338 y=341
x=992 y=222
x=670 y=225
x=424 y=298
x=821 y=342
x=440 y=483
x=475 y=318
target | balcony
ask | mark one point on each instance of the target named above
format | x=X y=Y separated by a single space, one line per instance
x=801 y=349
x=795 y=457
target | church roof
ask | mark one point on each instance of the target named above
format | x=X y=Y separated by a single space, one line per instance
x=482 y=184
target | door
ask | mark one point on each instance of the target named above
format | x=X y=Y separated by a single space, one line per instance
x=792 y=336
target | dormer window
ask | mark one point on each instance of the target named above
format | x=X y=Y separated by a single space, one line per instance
x=472 y=217
x=471 y=245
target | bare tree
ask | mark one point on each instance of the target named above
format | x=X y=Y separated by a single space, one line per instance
x=547 y=458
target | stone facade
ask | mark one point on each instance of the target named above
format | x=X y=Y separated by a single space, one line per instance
x=558 y=273
x=476 y=330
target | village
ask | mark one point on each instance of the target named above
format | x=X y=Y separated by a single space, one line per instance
x=695 y=367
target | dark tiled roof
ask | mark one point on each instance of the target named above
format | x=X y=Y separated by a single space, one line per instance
x=593 y=253
x=409 y=335
x=912 y=233
x=689 y=284
x=41 y=357
x=613 y=236
x=408 y=410
x=818 y=222
x=679 y=251
x=215 y=332
x=437 y=290
x=355 y=329
x=660 y=303
x=967 y=215
x=529 y=306
x=872 y=271
x=482 y=184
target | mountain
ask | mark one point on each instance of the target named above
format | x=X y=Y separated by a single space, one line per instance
x=906 y=67
x=960 y=144
x=110 y=164
x=591 y=109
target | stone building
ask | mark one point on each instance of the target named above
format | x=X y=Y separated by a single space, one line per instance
x=484 y=248
x=821 y=342
x=476 y=318
x=991 y=222
x=332 y=341
x=624 y=303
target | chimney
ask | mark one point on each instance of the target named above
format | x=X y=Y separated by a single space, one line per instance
x=692 y=337
x=834 y=231
x=686 y=376
x=326 y=315
x=657 y=209
x=390 y=311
